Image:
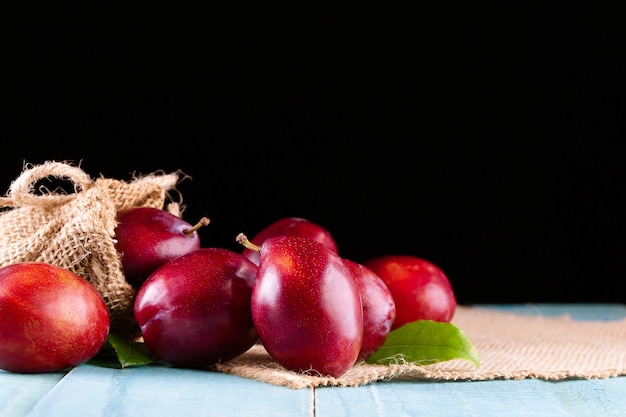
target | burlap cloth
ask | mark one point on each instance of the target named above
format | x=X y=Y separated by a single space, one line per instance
x=510 y=346
x=75 y=229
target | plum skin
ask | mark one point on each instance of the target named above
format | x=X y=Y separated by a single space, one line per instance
x=291 y=226
x=420 y=289
x=379 y=308
x=50 y=318
x=306 y=306
x=148 y=237
x=194 y=311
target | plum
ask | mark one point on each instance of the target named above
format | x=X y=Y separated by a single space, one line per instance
x=291 y=226
x=420 y=289
x=306 y=306
x=51 y=319
x=379 y=308
x=195 y=311
x=148 y=237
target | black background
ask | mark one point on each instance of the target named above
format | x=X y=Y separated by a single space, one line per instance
x=487 y=141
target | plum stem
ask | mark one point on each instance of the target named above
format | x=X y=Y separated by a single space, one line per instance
x=204 y=221
x=243 y=240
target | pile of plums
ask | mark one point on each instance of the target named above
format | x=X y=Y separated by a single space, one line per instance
x=288 y=289
x=313 y=310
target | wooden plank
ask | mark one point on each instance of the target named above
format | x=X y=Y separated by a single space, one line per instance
x=20 y=392
x=528 y=397
x=594 y=397
x=90 y=390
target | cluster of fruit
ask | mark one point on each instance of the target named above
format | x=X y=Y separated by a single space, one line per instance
x=289 y=289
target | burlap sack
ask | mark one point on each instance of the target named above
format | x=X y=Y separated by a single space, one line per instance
x=76 y=230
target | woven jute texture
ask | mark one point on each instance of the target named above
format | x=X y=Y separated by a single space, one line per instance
x=75 y=230
x=510 y=346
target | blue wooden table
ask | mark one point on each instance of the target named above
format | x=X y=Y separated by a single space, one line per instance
x=90 y=390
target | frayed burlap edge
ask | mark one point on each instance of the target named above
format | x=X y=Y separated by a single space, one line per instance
x=510 y=346
x=76 y=230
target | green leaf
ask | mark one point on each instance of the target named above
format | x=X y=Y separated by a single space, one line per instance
x=425 y=342
x=119 y=352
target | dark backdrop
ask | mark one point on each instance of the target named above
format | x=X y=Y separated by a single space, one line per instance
x=488 y=143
